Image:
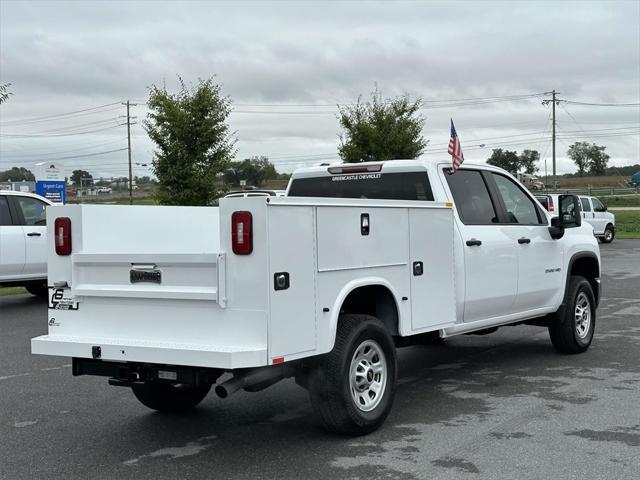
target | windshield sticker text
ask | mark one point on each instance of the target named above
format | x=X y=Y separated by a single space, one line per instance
x=362 y=176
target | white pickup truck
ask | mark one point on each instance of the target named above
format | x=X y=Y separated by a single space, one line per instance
x=321 y=285
x=23 y=241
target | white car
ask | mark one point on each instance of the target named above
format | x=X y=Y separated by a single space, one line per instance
x=593 y=211
x=23 y=241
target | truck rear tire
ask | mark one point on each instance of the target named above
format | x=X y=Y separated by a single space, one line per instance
x=571 y=331
x=352 y=387
x=39 y=289
x=169 y=398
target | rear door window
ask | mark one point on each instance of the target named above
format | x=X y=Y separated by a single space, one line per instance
x=5 y=215
x=33 y=210
x=380 y=186
x=471 y=197
x=586 y=206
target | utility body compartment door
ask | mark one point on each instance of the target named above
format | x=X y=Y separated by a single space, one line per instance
x=292 y=298
x=432 y=269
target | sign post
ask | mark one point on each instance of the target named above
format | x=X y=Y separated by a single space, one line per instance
x=50 y=182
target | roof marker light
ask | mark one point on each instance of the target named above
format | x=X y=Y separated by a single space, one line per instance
x=355 y=169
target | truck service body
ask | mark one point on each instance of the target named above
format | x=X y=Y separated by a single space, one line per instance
x=321 y=284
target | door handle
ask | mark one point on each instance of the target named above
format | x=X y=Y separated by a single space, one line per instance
x=524 y=240
x=473 y=243
x=33 y=234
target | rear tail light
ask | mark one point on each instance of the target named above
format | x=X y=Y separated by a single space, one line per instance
x=551 y=207
x=62 y=228
x=241 y=233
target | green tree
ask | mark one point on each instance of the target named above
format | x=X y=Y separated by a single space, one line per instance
x=254 y=170
x=528 y=161
x=589 y=158
x=142 y=180
x=381 y=129
x=506 y=159
x=193 y=141
x=514 y=163
x=81 y=178
x=17 y=174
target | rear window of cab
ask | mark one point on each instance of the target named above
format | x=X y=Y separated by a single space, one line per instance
x=380 y=186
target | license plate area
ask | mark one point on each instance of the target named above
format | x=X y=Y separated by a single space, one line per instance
x=140 y=275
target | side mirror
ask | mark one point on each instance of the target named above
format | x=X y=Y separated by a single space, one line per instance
x=569 y=211
x=569 y=216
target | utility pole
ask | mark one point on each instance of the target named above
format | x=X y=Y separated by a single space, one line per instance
x=553 y=102
x=129 y=104
x=131 y=168
x=553 y=138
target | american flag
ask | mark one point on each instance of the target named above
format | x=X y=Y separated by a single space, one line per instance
x=455 y=149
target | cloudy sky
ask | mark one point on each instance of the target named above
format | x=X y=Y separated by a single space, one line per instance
x=286 y=65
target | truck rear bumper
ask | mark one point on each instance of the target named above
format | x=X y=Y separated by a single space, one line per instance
x=127 y=350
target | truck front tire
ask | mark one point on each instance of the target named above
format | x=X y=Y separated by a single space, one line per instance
x=571 y=331
x=169 y=398
x=352 y=387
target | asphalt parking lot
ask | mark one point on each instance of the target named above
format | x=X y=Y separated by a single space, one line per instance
x=504 y=405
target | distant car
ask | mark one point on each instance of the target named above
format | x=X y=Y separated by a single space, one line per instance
x=104 y=190
x=593 y=212
x=256 y=193
x=23 y=241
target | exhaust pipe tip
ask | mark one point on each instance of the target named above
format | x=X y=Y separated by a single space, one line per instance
x=221 y=391
x=262 y=377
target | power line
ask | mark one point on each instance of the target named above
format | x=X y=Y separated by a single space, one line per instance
x=62 y=152
x=84 y=155
x=453 y=100
x=334 y=112
x=13 y=135
x=593 y=104
x=73 y=128
x=57 y=115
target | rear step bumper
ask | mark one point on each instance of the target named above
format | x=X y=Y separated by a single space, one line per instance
x=130 y=373
x=127 y=350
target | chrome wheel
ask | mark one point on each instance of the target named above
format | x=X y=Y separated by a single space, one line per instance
x=582 y=315
x=608 y=235
x=368 y=375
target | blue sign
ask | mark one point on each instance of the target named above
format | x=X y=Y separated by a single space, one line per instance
x=53 y=190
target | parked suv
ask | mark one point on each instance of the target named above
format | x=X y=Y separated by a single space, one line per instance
x=256 y=193
x=23 y=241
x=593 y=211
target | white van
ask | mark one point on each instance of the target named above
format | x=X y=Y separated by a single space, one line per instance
x=593 y=211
